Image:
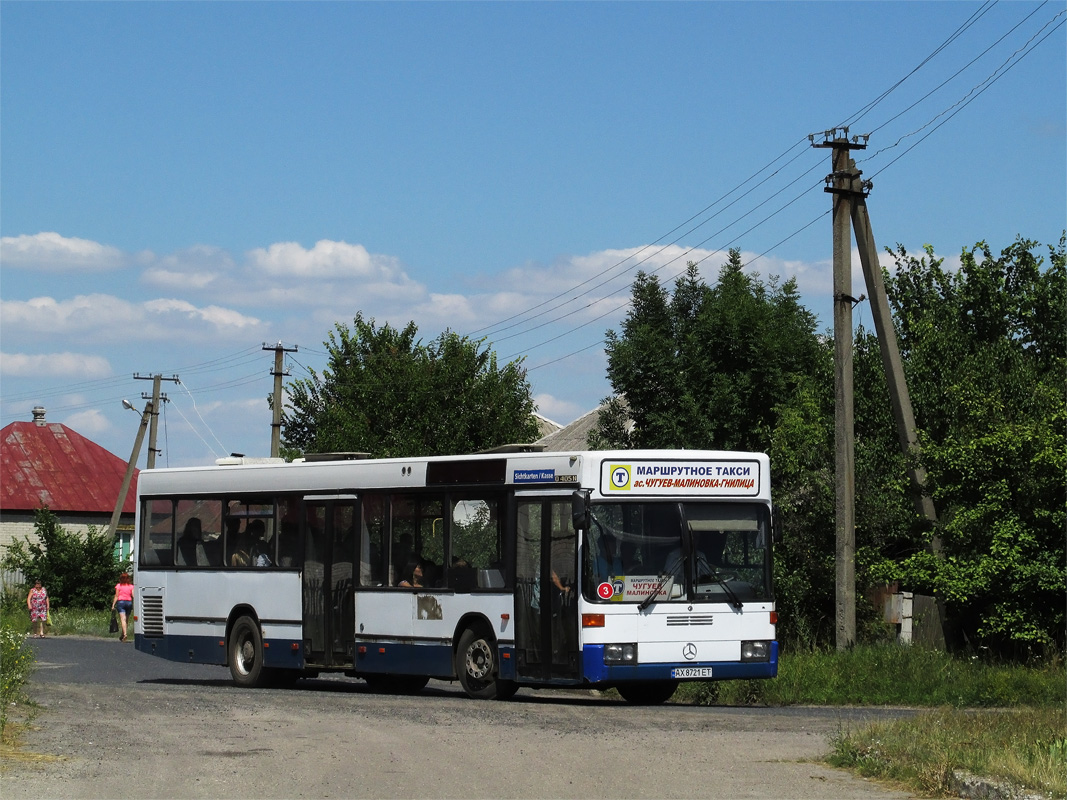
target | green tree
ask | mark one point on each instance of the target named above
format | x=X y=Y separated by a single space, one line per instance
x=985 y=357
x=387 y=393
x=77 y=570
x=738 y=366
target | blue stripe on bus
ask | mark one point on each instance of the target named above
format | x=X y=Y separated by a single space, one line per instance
x=277 y=653
x=395 y=658
x=594 y=669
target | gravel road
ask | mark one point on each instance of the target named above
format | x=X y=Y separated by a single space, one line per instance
x=118 y=723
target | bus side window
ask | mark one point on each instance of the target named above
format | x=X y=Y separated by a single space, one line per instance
x=475 y=545
x=373 y=546
x=289 y=533
x=157 y=533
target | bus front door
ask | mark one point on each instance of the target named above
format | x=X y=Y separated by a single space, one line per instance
x=329 y=601
x=546 y=607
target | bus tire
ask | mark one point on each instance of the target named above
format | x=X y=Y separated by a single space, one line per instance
x=477 y=667
x=245 y=652
x=647 y=694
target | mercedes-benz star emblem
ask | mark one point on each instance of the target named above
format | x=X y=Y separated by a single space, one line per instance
x=689 y=651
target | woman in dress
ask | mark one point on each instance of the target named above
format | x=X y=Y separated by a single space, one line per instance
x=37 y=603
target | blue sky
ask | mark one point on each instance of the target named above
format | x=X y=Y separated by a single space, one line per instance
x=183 y=182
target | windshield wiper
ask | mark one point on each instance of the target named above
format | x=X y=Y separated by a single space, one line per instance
x=735 y=601
x=659 y=587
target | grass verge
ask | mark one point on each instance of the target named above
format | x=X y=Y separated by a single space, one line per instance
x=1004 y=723
x=889 y=675
x=1026 y=748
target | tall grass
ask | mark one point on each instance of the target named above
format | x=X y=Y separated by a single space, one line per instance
x=890 y=675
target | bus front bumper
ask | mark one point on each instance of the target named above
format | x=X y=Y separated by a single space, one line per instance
x=595 y=671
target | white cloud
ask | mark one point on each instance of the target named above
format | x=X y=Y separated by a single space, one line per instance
x=50 y=252
x=48 y=365
x=100 y=318
x=88 y=423
x=51 y=316
x=327 y=259
x=194 y=268
x=171 y=279
x=215 y=315
x=562 y=412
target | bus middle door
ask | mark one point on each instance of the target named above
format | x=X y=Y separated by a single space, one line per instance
x=328 y=597
x=546 y=603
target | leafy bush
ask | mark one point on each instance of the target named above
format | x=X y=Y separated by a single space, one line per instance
x=16 y=664
x=76 y=570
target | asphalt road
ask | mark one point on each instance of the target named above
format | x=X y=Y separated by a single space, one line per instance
x=118 y=723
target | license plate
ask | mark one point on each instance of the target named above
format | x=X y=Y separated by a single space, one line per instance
x=691 y=672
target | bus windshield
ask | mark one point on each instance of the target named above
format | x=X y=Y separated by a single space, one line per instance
x=686 y=552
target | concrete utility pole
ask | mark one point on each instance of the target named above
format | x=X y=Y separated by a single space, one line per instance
x=850 y=212
x=844 y=418
x=157 y=398
x=278 y=373
x=130 y=465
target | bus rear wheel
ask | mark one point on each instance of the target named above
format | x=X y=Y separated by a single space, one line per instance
x=647 y=694
x=246 y=653
x=477 y=668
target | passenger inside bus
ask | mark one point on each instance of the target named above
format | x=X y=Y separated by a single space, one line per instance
x=413 y=576
x=240 y=544
x=259 y=551
x=190 y=545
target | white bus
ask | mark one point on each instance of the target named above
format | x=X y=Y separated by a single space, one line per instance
x=595 y=569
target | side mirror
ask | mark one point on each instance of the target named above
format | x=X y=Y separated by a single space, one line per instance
x=776 y=525
x=580 y=517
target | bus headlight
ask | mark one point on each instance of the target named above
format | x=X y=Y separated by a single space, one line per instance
x=620 y=654
x=755 y=651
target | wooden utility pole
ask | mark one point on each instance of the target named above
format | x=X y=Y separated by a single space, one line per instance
x=850 y=213
x=278 y=373
x=157 y=398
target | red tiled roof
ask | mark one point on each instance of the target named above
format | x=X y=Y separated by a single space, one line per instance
x=52 y=465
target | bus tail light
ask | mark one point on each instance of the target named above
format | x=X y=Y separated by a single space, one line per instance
x=592 y=620
x=774 y=618
x=755 y=651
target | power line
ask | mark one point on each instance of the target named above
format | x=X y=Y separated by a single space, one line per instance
x=955 y=35
x=957 y=73
x=973 y=94
x=498 y=325
x=858 y=115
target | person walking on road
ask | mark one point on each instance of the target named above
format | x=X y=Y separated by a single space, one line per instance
x=123 y=601
x=38 y=604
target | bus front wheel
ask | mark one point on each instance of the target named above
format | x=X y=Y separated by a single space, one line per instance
x=477 y=668
x=246 y=653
